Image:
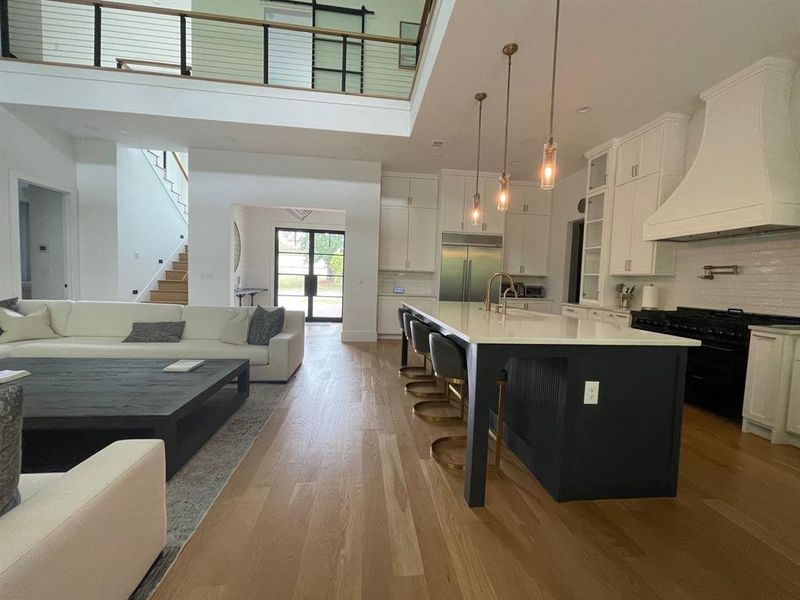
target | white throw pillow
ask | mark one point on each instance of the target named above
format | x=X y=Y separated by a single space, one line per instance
x=33 y=326
x=234 y=330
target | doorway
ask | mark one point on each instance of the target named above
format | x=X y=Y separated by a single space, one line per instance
x=309 y=272
x=42 y=241
x=575 y=261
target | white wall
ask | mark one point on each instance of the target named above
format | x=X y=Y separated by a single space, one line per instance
x=221 y=179
x=48 y=269
x=97 y=184
x=149 y=225
x=39 y=155
x=564 y=209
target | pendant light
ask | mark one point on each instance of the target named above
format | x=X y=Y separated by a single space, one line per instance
x=476 y=214
x=503 y=196
x=548 y=171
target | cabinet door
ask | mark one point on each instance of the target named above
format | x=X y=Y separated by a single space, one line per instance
x=763 y=370
x=538 y=201
x=387 y=315
x=421 y=239
x=627 y=159
x=645 y=203
x=650 y=152
x=512 y=245
x=394 y=191
x=518 y=199
x=793 y=418
x=595 y=314
x=574 y=311
x=619 y=252
x=535 y=244
x=493 y=219
x=393 y=240
x=453 y=202
x=423 y=192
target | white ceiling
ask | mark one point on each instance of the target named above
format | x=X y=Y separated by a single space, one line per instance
x=630 y=59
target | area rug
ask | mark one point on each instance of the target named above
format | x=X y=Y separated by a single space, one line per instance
x=193 y=489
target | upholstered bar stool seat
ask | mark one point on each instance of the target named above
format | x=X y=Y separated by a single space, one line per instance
x=405 y=317
x=430 y=388
x=450 y=365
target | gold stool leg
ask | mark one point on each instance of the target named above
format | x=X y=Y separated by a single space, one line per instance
x=419 y=408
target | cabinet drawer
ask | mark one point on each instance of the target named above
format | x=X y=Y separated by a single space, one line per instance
x=574 y=311
x=618 y=318
x=596 y=314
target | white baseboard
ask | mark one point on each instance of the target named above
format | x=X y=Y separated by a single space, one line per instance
x=359 y=336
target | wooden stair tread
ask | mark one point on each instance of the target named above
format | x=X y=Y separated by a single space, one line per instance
x=173 y=286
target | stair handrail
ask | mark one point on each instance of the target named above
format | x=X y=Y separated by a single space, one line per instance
x=369 y=37
x=180 y=165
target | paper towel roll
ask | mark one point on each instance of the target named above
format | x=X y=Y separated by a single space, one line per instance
x=649 y=297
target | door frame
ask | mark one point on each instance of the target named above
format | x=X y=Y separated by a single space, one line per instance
x=310 y=318
x=70 y=224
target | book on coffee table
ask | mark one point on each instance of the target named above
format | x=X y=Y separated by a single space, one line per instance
x=183 y=366
x=6 y=376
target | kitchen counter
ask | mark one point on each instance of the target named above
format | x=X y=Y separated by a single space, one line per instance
x=470 y=322
x=623 y=441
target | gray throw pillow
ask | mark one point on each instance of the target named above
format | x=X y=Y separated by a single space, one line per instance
x=10 y=304
x=159 y=331
x=10 y=446
x=265 y=325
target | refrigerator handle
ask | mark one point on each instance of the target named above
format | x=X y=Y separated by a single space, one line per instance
x=464 y=281
x=469 y=280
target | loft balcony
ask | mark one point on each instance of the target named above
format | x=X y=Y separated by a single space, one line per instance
x=304 y=64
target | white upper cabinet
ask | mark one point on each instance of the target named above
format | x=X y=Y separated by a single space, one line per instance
x=493 y=220
x=407 y=239
x=641 y=155
x=527 y=229
x=453 y=202
x=527 y=199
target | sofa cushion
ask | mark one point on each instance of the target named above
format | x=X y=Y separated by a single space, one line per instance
x=115 y=319
x=103 y=347
x=31 y=484
x=265 y=325
x=234 y=330
x=59 y=312
x=10 y=446
x=205 y=322
x=160 y=331
x=9 y=303
x=17 y=327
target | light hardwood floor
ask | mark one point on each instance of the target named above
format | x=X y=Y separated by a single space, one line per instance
x=338 y=498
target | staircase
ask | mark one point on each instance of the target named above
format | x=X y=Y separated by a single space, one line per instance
x=173 y=288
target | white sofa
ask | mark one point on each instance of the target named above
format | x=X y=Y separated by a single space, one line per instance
x=90 y=533
x=96 y=329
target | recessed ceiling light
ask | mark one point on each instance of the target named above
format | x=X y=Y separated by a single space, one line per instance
x=228 y=138
x=583 y=109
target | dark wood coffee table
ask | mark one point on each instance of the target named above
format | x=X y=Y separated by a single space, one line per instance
x=73 y=407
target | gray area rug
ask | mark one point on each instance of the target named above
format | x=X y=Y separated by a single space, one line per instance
x=193 y=489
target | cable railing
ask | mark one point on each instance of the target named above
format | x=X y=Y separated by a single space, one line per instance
x=207 y=46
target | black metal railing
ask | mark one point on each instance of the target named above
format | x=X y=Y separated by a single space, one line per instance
x=208 y=46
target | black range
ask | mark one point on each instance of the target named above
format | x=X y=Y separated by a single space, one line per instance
x=716 y=371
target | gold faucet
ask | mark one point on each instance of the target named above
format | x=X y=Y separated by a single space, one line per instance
x=487 y=305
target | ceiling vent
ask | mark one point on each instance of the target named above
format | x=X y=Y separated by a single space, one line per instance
x=437 y=143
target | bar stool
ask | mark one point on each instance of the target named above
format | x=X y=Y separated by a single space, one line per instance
x=429 y=387
x=450 y=365
x=421 y=339
x=405 y=317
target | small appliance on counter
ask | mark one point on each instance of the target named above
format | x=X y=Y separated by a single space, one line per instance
x=534 y=291
x=649 y=297
x=518 y=287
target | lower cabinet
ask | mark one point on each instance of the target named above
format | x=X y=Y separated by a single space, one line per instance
x=772 y=390
x=388 y=324
x=569 y=310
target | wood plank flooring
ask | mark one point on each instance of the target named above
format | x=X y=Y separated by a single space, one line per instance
x=339 y=499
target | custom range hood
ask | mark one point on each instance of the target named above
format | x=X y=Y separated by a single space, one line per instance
x=746 y=177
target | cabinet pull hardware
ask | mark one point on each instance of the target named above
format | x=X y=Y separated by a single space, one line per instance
x=633 y=168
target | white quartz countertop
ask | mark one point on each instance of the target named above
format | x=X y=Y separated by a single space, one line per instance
x=470 y=322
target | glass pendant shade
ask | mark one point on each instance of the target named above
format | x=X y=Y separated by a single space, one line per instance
x=548 y=172
x=475 y=214
x=503 y=196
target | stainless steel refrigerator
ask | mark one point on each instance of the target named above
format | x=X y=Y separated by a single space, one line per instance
x=468 y=261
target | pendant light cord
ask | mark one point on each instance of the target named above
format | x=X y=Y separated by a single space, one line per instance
x=555 y=56
x=508 y=104
x=478 y=165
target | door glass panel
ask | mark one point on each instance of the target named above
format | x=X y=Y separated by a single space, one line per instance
x=293 y=263
x=328 y=243
x=294 y=303
x=327 y=307
x=291 y=285
x=294 y=241
x=329 y=286
x=329 y=265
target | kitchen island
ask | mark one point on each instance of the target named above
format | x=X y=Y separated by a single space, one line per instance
x=623 y=444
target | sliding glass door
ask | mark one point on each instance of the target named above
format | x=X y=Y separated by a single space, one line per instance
x=309 y=272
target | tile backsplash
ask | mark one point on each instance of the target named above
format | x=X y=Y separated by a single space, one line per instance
x=415 y=284
x=768 y=279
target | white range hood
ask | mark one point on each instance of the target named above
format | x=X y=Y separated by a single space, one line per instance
x=746 y=177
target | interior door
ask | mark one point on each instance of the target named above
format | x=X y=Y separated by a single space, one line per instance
x=309 y=272
x=290 y=52
x=621 y=228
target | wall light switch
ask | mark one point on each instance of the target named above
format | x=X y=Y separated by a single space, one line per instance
x=591 y=392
